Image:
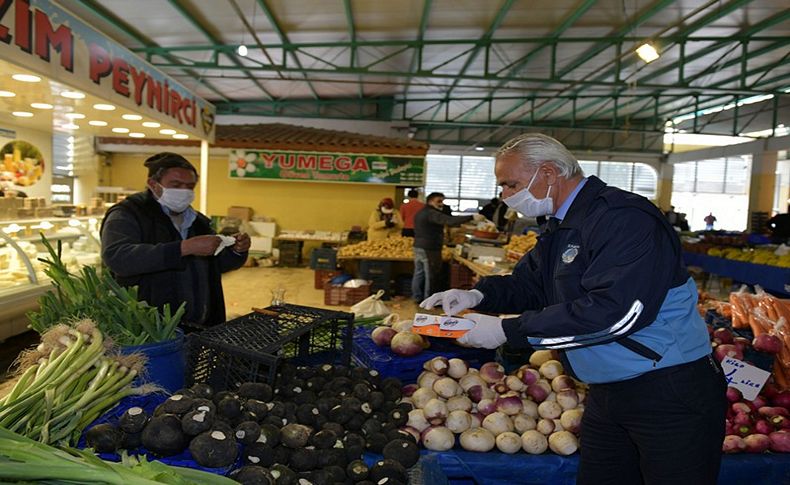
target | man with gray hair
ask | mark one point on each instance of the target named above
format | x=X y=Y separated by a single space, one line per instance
x=606 y=288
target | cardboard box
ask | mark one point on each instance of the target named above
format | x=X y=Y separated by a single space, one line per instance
x=261 y=244
x=265 y=229
x=240 y=212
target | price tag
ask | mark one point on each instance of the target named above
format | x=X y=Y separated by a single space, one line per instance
x=745 y=377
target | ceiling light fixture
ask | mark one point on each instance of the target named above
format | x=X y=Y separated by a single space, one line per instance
x=74 y=116
x=479 y=148
x=137 y=135
x=180 y=136
x=647 y=52
x=22 y=114
x=129 y=117
x=120 y=130
x=41 y=105
x=97 y=123
x=72 y=94
x=151 y=124
x=242 y=50
x=104 y=107
x=26 y=78
x=70 y=126
x=7 y=94
x=167 y=131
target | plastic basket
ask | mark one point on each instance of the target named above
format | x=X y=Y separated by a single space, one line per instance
x=323 y=258
x=323 y=276
x=339 y=295
x=251 y=347
x=367 y=354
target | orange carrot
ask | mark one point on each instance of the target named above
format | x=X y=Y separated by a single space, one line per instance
x=755 y=326
x=780 y=377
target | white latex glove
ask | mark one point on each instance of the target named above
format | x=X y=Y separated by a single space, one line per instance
x=488 y=332
x=478 y=217
x=453 y=301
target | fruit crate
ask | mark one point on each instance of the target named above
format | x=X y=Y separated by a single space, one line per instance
x=341 y=296
x=379 y=273
x=251 y=347
x=461 y=277
x=323 y=258
x=322 y=277
x=367 y=354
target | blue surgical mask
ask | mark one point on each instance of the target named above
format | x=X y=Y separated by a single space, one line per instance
x=528 y=205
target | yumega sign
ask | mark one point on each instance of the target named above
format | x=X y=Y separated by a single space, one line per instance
x=43 y=37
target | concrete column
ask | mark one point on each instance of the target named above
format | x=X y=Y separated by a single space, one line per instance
x=761 y=186
x=664 y=191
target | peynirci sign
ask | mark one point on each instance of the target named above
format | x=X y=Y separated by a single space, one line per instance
x=326 y=167
x=41 y=36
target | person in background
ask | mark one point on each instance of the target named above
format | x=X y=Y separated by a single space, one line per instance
x=428 y=241
x=671 y=216
x=384 y=221
x=779 y=225
x=709 y=220
x=496 y=211
x=408 y=211
x=156 y=241
x=606 y=287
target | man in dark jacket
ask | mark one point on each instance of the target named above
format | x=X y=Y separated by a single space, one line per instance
x=156 y=241
x=428 y=240
x=606 y=287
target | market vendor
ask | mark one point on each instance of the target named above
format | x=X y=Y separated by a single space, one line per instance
x=606 y=287
x=384 y=221
x=155 y=240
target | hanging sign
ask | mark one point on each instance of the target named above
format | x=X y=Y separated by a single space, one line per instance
x=43 y=37
x=326 y=167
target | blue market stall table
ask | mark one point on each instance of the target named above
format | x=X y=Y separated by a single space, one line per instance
x=772 y=278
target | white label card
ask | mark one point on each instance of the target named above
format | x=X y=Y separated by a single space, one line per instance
x=745 y=377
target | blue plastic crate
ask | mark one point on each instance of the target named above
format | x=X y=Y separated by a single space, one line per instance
x=367 y=354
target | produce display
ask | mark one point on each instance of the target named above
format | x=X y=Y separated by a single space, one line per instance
x=759 y=425
x=66 y=383
x=115 y=309
x=522 y=244
x=755 y=256
x=534 y=409
x=399 y=338
x=390 y=248
x=314 y=425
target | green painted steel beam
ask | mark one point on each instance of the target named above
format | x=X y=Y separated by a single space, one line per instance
x=126 y=29
x=517 y=65
x=189 y=16
x=284 y=39
x=258 y=44
x=416 y=58
x=352 y=34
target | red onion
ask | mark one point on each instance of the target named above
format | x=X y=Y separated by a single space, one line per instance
x=545 y=426
x=757 y=443
x=486 y=407
x=772 y=411
x=437 y=438
x=459 y=403
x=723 y=335
x=435 y=411
x=470 y=380
x=727 y=350
x=780 y=441
x=407 y=344
x=780 y=422
x=781 y=399
x=458 y=368
x=528 y=375
x=728 y=428
x=491 y=372
x=734 y=395
x=742 y=419
x=759 y=401
x=421 y=397
x=763 y=427
x=498 y=423
x=744 y=430
x=562 y=382
x=769 y=344
x=733 y=444
x=742 y=343
x=446 y=387
x=437 y=365
x=538 y=391
x=382 y=336
x=741 y=407
x=409 y=389
x=509 y=404
x=551 y=369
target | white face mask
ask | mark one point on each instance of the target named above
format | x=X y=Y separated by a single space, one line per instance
x=524 y=202
x=177 y=200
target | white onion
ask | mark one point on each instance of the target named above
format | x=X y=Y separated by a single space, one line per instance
x=421 y=397
x=551 y=369
x=458 y=368
x=523 y=423
x=509 y=404
x=549 y=410
x=470 y=380
x=533 y=442
x=562 y=382
x=417 y=420
x=427 y=379
x=477 y=419
x=572 y=420
x=508 y=442
x=458 y=421
x=539 y=357
x=545 y=426
x=530 y=408
x=558 y=425
x=514 y=384
x=486 y=407
x=435 y=411
x=437 y=365
x=459 y=403
x=582 y=393
x=478 y=439
x=498 y=423
x=480 y=393
x=402 y=326
x=407 y=344
x=438 y=438
x=568 y=399
x=563 y=443
x=491 y=372
x=446 y=387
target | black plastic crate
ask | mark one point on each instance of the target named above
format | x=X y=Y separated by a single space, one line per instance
x=370 y=269
x=323 y=258
x=250 y=348
x=290 y=259
x=403 y=285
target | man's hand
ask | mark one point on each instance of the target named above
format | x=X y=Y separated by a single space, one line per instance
x=389 y=224
x=200 y=245
x=453 y=301
x=242 y=242
x=479 y=217
x=487 y=334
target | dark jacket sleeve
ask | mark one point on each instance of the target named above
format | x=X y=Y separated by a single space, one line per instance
x=438 y=217
x=632 y=263
x=517 y=292
x=230 y=260
x=124 y=253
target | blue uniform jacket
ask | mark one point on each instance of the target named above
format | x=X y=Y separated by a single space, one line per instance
x=607 y=288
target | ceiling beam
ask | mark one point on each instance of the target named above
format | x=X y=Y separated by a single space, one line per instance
x=352 y=34
x=416 y=58
x=284 y=39
x=251 y=30
x=126 y=29
x=191 y=18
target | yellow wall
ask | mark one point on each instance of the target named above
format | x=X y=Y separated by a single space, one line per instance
x=293 y=205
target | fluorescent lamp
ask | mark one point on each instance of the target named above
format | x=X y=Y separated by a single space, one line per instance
x=242 y=50
x=647 y=52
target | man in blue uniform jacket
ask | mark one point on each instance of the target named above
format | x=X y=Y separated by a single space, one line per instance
x=607 y=288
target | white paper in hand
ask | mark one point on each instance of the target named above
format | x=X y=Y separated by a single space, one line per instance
x=224 y=241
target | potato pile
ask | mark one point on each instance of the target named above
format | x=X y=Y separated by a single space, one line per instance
x=393 y=247
x=522 y=244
